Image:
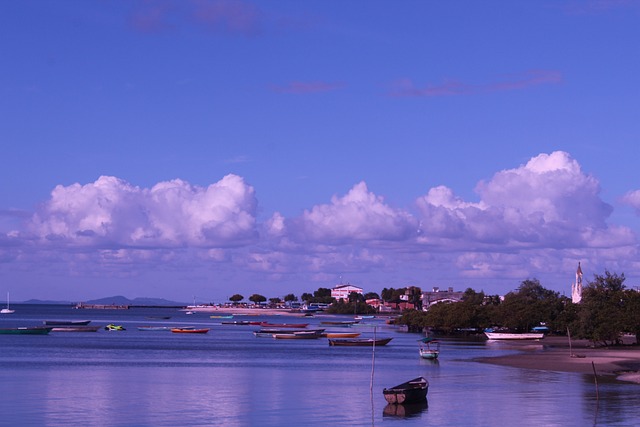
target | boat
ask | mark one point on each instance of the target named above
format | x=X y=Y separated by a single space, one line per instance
x=236 y=322
x=269 y=332
x=189 y=330
x=66 y=322
x=340 y=322
x=154 y=328
x=284 y=325
x=222 y=317
x=75 y=328
x=26 y=330
x=427 y=351
x=112 y=327
x=359 y=342
x=159 y=317
x=514 y=336
x=7 y=310
x=363 y=317
x=301 y=335
x=341 y=334
x=412 y=391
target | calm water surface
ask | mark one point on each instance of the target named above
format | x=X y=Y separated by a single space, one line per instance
x=229 y=377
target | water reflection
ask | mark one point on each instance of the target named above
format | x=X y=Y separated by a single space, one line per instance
x=405 y=410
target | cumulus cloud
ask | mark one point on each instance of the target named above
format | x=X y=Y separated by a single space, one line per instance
x=112 y=212
x=547 y=202
x=632 y=198
x=358 y=216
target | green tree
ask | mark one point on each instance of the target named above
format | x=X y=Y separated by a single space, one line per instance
x=602 y=312
x=529 y=306
x=306 y=296
x=275 y=301
x=236 y=298
x=257 y=298
x=371 y=295
x=290 y=298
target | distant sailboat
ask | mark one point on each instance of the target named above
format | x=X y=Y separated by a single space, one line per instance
x=7 y=310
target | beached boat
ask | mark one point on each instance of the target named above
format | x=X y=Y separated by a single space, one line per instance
x=429 y=348
x=26 y=330
x=112 y=327
x=189 y=330
x=75 y=328
x=359 y=342
x=284 y=325
x=7 y=310
x=514 y=336
x=412 y=391
x=154 y=328
x=341 y=334
x=66 y=322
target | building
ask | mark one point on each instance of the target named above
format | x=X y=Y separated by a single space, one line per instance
x=576 y=287
x=437 y=295
x=342 y=292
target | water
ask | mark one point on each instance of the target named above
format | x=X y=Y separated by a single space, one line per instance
x=228 y=377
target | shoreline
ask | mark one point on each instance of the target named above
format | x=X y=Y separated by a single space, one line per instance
x=554 y=354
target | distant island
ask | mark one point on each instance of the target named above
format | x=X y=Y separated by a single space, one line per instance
x=114 y=300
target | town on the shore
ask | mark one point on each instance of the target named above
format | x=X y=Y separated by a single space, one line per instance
x=603 y=310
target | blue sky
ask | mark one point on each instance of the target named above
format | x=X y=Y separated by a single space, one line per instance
x=204 y=148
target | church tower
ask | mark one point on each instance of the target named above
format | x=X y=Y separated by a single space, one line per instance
x=576 y=288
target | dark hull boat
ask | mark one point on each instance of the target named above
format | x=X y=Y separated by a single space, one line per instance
x=37 y=330
x=66 y=322
x=412 y=391
x=71 y=328
x=359 y=342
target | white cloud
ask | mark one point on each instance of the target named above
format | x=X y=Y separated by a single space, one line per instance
x=632 y=198
x=358 y=216
x=112 y=212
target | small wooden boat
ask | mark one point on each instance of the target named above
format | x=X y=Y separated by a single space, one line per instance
x=514 y=336
x=189 y=330
x=35 y=330
x=341 y=334
x=159 y=317
x=66 y=322
x=340 y=322
x=236 y=322
x=269 y=332
x=112 y=327
x=302 y=335
x=222 y=317
x=284 y=325
x=412 y=391
x=427 y=351
x=154 y=328
x=73 y=328
x=359 y=342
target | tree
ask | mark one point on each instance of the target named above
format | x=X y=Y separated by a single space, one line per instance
x=529 y=306
x=371 y=295
x=257 y=298
x=275 y=301
x=290 y=297
x=602 y=313
x=306 y=296
x=236 y=298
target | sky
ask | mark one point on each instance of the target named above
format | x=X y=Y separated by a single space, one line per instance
x=194 y=149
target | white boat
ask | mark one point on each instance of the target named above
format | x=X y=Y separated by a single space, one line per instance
x=7 y=310
x=427 y=351
x=514 y=336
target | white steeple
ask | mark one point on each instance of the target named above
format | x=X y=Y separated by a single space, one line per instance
x=576 y=288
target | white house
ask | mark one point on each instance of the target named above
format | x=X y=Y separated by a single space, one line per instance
x=342 y=291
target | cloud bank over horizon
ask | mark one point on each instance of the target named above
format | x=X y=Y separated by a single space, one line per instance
x=542 y=216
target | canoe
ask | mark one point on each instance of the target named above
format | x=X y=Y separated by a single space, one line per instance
x=189 y=330
x=66 y=322
x=269 y=332
x=359 y=342
x=303 y=335
x=412 y=391
x=284 y=325
x=36 y=330
x=340 y=322
x=154 y=328
x=79 y=328
x=341 y=334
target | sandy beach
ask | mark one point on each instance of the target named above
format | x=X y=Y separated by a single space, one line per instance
x=554 y=354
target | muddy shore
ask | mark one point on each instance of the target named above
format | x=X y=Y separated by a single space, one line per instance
x=556 y=354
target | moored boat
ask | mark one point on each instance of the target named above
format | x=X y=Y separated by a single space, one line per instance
x=26 y=330
x=66 y=322
x=341 y=334
x=284 y=325
x=514 y=336
x=359 y=342
x=427 y=351
x=189 y=330
x=154 y=328
x=412 y=391
x=340 y=322
x=301 y=335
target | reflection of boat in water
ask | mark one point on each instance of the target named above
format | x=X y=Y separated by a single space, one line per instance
x=358 y=342
x=75 y=328
x=404 y=410
x=412 y=391
x=24 y=330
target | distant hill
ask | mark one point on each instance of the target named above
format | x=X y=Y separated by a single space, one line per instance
x=116 y=300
